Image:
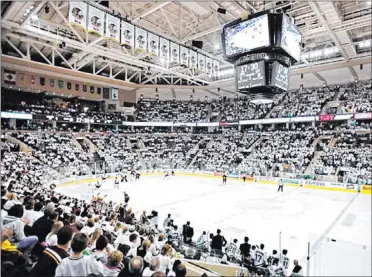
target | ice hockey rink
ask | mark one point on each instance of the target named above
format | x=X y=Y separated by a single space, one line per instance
x=337 y=224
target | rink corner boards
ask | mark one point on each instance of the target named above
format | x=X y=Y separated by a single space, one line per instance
x=363 y=189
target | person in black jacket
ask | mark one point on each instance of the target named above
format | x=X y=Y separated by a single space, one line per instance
x=52 y=256
x=188 y=233
x=42 y=227
x=245 y=248
x=218 y=242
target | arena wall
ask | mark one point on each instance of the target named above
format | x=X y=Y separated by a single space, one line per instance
x=311 y=184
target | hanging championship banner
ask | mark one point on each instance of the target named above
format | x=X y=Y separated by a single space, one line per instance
x=175 y=53
x=127 y=34
x=77 y=14
x=153 y=44
x=96 y=20
x=216 y=68
x=112 y=27
x=184 y=54
x=193 y=59
x=164 y=51
x=208 y=65
x=201 y=62
x=114 y=94
x=141 y=41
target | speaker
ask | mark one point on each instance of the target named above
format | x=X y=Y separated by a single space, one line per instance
x=197 y=44
x=221 y=10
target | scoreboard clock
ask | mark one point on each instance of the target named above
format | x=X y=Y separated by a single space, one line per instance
x=250 y=75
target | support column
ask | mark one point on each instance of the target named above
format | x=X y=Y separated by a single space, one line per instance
x=239 y=128
x=313 y=124
x=287 y=125
x=172 y=128
x=54 y=124
x=88 y=126
x=117 y=127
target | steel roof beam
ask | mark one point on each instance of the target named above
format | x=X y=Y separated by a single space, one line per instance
x=151 y=10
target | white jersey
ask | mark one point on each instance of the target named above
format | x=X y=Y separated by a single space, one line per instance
x=284 y=260
x=273 y=260
x=232 y=249
x=277 y=270
x=260 y=258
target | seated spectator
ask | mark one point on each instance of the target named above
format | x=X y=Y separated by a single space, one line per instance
x=53 y=255
x=165 y=258
x=180 y=270
x=172 y=272
x=78 y=264
x=135 y=268
x=16 y=226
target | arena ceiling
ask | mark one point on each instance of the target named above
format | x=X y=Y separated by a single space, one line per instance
x=336 y=35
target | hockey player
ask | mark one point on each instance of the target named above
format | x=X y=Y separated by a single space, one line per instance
x=284 y=260
x=273 y=259
x=98 y=185
x=138 y=175
x=172 y=173
x=224 y=177
x=232 y=250
x=280 y=185
x=260 y=257
x=116 y=184
x=166 y=174
x=244 y=178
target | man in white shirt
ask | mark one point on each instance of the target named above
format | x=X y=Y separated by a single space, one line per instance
x=154 y=266
x=35 y=213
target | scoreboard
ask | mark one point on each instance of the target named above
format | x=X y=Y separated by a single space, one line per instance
x=250 y=75
x=279 y=76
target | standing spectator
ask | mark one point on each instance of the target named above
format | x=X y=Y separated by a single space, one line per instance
x=33 y=211
x=232 y=250
x=51 y=238
x=172 y=272
x=100 y=252
x=165 y=257
x=218 y=242
x=188 y=233
x=73 y=223
x=152 y=268
x=181 y=270
x=52 y=256
x=78 y=264
x=113 y=265
x=297 y=270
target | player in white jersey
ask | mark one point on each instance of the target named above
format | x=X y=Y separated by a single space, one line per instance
x=284 y=260
x=273 y=259
x=280 y=185
x=232 y=250
x=260 y=257
x=116 y=183
x=277 y=270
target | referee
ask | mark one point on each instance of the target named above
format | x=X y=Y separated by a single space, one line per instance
x=280 y=185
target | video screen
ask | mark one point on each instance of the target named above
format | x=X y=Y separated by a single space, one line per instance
x=280 y=76
x=247 y=36
x=250 y=75
x=291 y=38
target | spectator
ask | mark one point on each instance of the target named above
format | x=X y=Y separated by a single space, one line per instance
x=152 y=268
x=51 y=238
x=33 y=211
x=16 y=226
x=135 y=268
x=42 y=227
x=53 y=255
x=172 y=272
x=113 y=265
x=165 y=257
x=101 y=251
x=181 y=270
x=78 y=264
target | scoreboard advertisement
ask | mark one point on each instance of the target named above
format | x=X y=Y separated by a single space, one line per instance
x=250 y=75
x=246 y=36
x=279 y=75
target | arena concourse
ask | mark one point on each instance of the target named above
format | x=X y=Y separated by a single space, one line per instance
x=129 y=146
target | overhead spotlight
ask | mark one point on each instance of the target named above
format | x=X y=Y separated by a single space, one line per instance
x=266 y=57
x=46 y=9
x=356 y=80
x=217 y=46
x=34 y=17
x=221 y=10
x=324 y=84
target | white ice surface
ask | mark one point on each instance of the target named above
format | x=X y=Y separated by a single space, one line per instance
x=259 y=212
